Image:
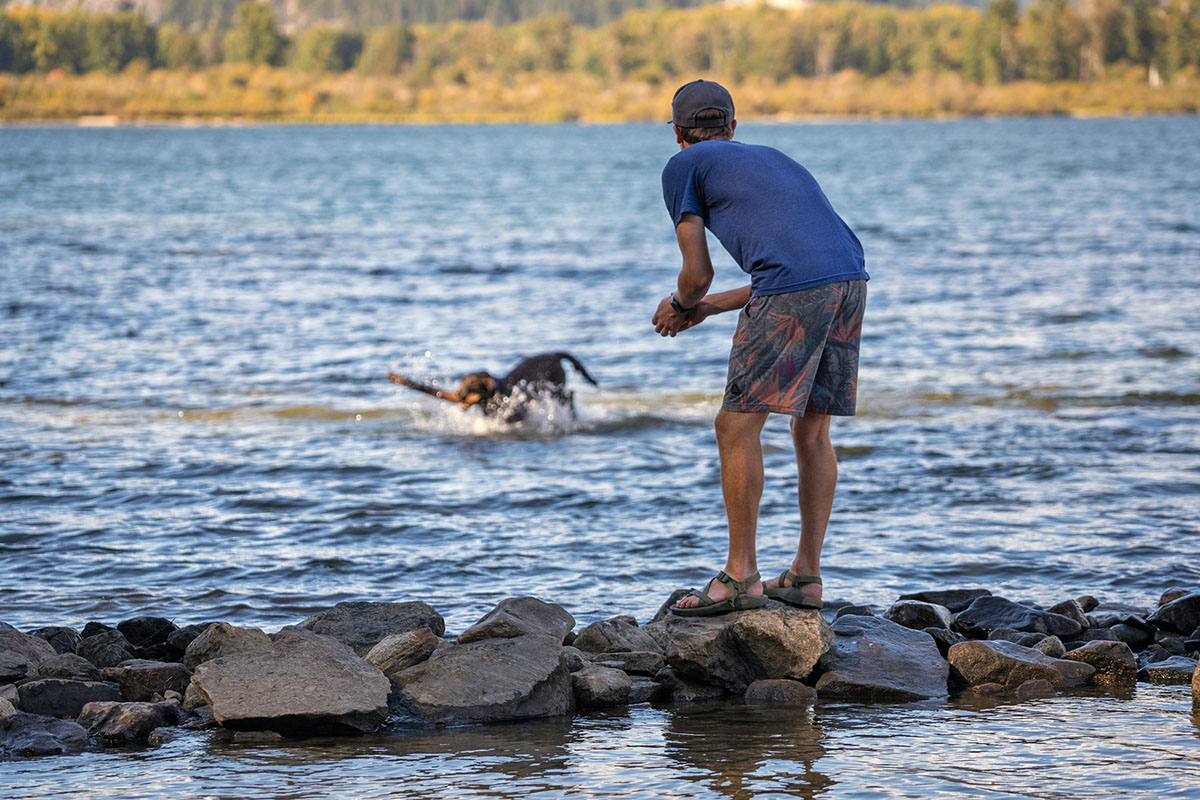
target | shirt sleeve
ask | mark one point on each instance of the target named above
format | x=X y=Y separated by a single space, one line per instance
x=681 y=189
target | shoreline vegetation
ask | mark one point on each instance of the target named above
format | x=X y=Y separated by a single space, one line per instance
x=824 y=60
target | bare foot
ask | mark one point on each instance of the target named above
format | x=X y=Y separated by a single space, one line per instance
x=718 y=592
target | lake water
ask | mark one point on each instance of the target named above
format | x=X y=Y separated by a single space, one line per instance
x=195 y=325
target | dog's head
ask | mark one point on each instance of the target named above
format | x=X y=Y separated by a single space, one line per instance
x=476 y=387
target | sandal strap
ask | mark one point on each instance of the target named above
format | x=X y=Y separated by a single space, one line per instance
x=738 y=587
x=796 y=581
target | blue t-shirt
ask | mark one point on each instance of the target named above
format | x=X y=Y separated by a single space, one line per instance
x=768 y=212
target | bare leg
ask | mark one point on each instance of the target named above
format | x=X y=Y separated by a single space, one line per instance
x=817 y=466
x=742 y=485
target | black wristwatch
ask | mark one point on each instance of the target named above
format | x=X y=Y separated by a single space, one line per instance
x=675 y=304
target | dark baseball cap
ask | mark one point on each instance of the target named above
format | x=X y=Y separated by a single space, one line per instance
x=701 y=95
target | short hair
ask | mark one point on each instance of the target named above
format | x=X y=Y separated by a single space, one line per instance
x=693 y=135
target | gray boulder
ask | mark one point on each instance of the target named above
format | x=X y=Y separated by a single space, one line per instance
x=1174 y=593
x=986 y=614
x=642 y=690
x=1114 y=662
x=919 y=615
x=302 y=684
x=1106 y=615
x=223 y=640
x=105 y=649
x=122 y=723
x=7 y=709
x=1072 y=610
x=33 y=649
x=617 y=636
x=734 y=650
x=142 y=680
x=1051 y=646
x=147 y=634
x=850 y=611
x=1180 y=616
x=1035 y=688
x=678 y=688
x=574 y=659
x=1136 y=636
x=944 y=639
x=34 y=735
x=362 y=625
x=69 y=665
x=517 y=616
x=635 y=663
x=954 y=599
x=600 y=687
x=397 y=653
x=488 y=680
x=1011 y=665
x=16 y=668
x=877 y=659
x=63 y=640
x=59 y=697
x=1175 y=671
x=780 y=692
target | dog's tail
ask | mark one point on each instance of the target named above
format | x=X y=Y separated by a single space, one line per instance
x=575 y=363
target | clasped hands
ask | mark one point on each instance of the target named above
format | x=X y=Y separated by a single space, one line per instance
x=668 y=322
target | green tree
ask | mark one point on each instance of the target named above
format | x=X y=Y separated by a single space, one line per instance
x=387 y=51
x=61 y=42
x=327 y=50
x=1051 y=36
x=254 y=38
x=178 y=49
x=113 y=40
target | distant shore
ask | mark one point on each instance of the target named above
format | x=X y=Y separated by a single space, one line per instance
x=242 y=93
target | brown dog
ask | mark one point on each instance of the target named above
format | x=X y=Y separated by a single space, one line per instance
x=508 y=397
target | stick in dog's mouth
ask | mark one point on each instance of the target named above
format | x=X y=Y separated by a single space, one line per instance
x=440 y=394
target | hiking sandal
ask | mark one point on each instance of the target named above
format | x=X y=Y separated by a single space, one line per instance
x=791 y=594
x=742 y=600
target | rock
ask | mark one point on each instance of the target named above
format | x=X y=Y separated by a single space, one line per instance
x=1179 y=616
x=986 y=689
x=682 y=689
x=9 y=692
x=919 y=615
x=1106 y=615
x=173 y=697
x=600 y=687
x=1017 y=637
x=1035 y=688
x=986 y=614
x=944 y=639
x=112 y=674
x=1114 y=662
x=517 y=616
x=33 y=649
x=362 y=625
x=618 y=636
x=780 y=692
x=71 y=666
x=397 y=653
x=223 y=640
x=665 y=609
x=301 y=684
x=7 y=709
x=1011 y=664
x=1072 y=610
x=94 y=628
x=573 y=657
x=1087 y=603
x=33 y=735
x=63 y=640
x=1051 y=646
x=144 y=633
x=642 y=690
x=1136 y=636
x=1175 y=671
x=489 y=680
x=201 y=720
x=179 y=641
x=160 y=736
x=1172 y=594
x=1152 y=654
x=876 y=658
x=954 y=599
x=1192 y=643
x=658 y=632
x=1196 y=688
x=1172 y=643
x=15 y=668
x=257 y=737
x=105 y=649
x=734 y=650
x=637 y=663
x=142 y=680
x=59 y=697
x=1098 y=635
x=128 y=722
x=854 y=611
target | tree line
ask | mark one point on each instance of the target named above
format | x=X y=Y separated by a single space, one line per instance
x=1051 y=40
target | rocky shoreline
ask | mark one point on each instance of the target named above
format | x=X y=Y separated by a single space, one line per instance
x=364 y=667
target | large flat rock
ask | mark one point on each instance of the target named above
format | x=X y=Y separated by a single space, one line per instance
x=302 y=684
x=1010 y=665
x=987 y=614
x=221 y=639
x=735 y=650
x=874 y=658
x=525 y=677
x=362 y=625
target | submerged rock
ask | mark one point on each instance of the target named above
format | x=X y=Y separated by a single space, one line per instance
x=1181 y=615
x=998 y=661
x=878 y=659
x=678 y=688
x=397 y=653
x=1114 y=662
x=23 y=734
x=954 y=599
x=59 y=697
x=223 y=640
x=1035 y=688
x=517 y=616
x=489 y=680
x=128 y=722
x=362 y=625
x=600 y=687
x=1175 y=671
x=918 y=615
x=302 y=684
x=987 y=614
x=780 y=692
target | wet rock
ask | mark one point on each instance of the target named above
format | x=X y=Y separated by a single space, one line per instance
x=112 y=674
x=1172 y=643
x=257 y=737
x=193 y=698
x=1180 y=616
x=1192 y=643
x=142 y=680
x=201 y=719
x=1098 y=635
x=781 y=692
x=63 y=640
x=302 y=684
x=146 y=633
x=1136 y=636
x=362 y=625
x=15 y=668
x=641 y=690
x=1152 y=654
x=71 y=666
x=854 y=611
x=24 y=734
x=1175 y=671
x=944 y=639
x=954 y=599
x=919 y=615
x=573 y=657
x=122 y=723
x=33 y=649
x=1072 y=610
x=600 y=687
x=1011 y=664
x=397 y=653
x=105 y=649
x=1035 y=688
x=658 y=632
x=986 y=689
x=1172 y=594
x=986 y=614
x=1196 y=688
x=8 y=692
x=58 y=697
x=637 y=663
x=1051 y=646
x=223 y=640
x=1016 y=637
x=1106 y=615
x=517 y=616
x=1114 y=662
x=617 y=636
x=665 y=609
x=734 y=650
x=7 y=709
x=94 y=628
x=1087 y=603
x=677 y=688
x=489 y=680
x=179 y=641
x=876 y=658
x=160 y=736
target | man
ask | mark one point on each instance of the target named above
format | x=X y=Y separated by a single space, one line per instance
x=796 y=347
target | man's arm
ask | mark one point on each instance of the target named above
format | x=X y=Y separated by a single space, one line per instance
x=694 y=278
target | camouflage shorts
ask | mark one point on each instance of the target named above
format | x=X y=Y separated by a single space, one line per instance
x=798 y=352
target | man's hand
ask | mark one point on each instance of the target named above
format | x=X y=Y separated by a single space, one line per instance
x=667 y=321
